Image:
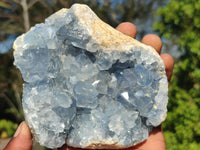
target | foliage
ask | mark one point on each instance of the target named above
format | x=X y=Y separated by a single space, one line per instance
x=7 y=128
x=180 y=21
x=111 y=11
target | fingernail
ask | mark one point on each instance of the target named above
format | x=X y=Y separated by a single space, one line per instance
x=18 y=129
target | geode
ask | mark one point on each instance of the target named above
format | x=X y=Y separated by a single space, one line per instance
x=88 y=85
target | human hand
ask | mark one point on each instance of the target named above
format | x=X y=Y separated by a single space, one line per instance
x=22 y=139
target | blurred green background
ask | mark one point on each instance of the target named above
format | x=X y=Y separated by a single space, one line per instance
x=177 y=22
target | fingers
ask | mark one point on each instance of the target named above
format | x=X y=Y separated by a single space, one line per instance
x=154 y=41
x=128 y=29
x=149 y=39
x=21 y=140
x=169 y=64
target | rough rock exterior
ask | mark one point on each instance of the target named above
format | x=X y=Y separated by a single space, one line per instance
x=87 y=84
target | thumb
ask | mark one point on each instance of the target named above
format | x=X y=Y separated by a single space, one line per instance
x=21 y=140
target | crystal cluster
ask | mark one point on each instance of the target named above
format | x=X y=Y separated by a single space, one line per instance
x=88 y=85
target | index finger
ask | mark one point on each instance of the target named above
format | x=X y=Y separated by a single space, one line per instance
x=128 y=29
x=154 y=41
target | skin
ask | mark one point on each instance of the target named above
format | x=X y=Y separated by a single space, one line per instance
x=22 y=140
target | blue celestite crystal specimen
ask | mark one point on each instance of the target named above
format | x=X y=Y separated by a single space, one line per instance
x=88 y=85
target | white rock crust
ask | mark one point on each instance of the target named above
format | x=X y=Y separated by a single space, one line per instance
x=88 y=84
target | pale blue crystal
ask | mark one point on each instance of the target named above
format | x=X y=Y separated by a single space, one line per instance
x=85 y=93
x=144 y=77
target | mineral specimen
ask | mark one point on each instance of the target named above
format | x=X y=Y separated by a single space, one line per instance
x=88 y=85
